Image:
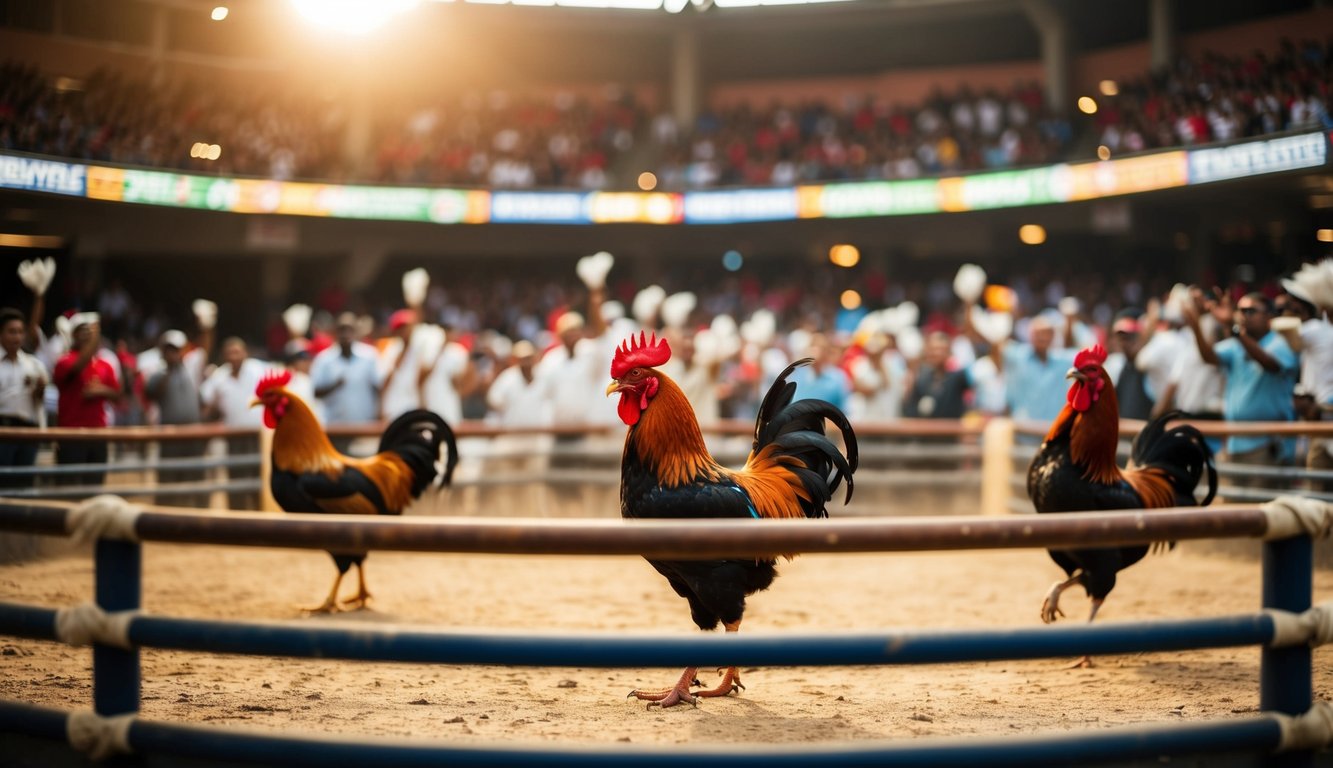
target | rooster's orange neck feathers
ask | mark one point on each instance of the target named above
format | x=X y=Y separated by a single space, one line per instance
x=299 y=443
x=667 y=438
x=1093 y=435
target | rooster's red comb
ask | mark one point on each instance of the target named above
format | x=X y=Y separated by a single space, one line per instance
x=272 y=380
x=639 y=353
x=1094 y=355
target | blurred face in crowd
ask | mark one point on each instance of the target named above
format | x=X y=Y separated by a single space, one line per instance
x=346 y=336
x=171 y=355
x=1292 y=307
x=85 y=335
x=1042 y=334
x=11 y=336
x=936 y=353
x=234 y=353
x=1252 y=313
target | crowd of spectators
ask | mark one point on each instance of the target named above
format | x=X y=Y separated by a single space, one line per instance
x=262 y=129
x=510 y=140
x=785 y=144
x=1216 y=97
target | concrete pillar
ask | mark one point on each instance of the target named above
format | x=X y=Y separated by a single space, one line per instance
x=275 y=280
x=1056 y=42
x=357 y=150
x=686 y=81
x=1161 y=33
x=159 y=36
x=997 y=466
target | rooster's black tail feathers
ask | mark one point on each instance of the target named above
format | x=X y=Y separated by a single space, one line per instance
x=1182 y=452
x=797 y=430
x=417 y=436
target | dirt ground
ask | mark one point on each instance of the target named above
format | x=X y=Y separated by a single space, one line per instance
x=586 y=706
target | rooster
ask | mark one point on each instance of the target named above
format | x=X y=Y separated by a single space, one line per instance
x=1075 y=469
x=308 y=475
x=792 y=471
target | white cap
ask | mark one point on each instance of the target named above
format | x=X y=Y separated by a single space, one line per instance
x=174 y=338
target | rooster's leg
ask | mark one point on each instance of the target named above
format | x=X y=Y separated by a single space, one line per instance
x=1050 y=607
x=331 y=602
x=731 y=682
x=1086 y=661
x=362 y=596
x=671 y=696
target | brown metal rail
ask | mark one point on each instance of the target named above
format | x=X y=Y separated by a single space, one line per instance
x=699 y=539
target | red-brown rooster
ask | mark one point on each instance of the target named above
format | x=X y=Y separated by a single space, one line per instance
x=1075 y=470
x=666 y=472
x=308 y=475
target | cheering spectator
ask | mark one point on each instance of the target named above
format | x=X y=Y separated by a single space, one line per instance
x=1261 y=373
x=22 y=379
x=87 y=384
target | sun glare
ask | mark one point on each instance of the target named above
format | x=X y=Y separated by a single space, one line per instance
x=352 y=17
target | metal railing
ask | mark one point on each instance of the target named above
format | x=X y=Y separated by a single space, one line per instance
x=118 y=629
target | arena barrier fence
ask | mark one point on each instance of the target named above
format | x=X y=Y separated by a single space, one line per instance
x=1289 y=730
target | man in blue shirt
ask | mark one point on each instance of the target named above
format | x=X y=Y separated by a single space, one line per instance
x=822 y=379
x=1035 y=372
x=346 y=379
x=1261 y=371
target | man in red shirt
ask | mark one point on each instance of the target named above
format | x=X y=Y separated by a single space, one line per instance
x=86 y=382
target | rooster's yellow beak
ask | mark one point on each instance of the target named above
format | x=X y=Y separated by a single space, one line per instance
x=612 y=388
x=1073 y=373
x=255 y=402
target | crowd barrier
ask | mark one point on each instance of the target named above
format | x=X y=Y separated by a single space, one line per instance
x=1289 y=730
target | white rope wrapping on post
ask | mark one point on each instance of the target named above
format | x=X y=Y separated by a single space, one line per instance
x=103 y=517
x=86 y=624
x=1290 y=516
x=96 y=736
x=1313 y=627
x=1312 y=730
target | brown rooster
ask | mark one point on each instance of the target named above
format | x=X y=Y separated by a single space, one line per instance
x=666 y=472
x=1075 y=470
x=308 y=475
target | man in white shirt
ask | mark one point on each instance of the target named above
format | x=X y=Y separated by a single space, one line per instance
x=22 y=381
x=571 y=376
x=400 y=366
x=226 y=395
x=447 y=379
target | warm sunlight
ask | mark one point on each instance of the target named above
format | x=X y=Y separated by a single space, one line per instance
x=354 y=17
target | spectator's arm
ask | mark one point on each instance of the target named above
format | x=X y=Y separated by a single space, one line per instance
x=1164 y=402
x=1206 y=350
x=596 y=324
x=1258 y=353
x=34 y=335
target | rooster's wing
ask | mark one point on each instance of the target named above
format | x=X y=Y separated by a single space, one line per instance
x=348 y=492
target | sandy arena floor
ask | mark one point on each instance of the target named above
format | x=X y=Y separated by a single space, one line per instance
x=504 y=704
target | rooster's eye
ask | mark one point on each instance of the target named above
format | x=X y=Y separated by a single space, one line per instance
x=635 y=373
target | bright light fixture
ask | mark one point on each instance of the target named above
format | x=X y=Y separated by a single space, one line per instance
x=220 y=13
x=647 y=181
x=1087 y=105
x=352 y=17
x=671 y=6
x=1032 y=234
x=1103 y=152
x=1324 y=235
x=1108 y=87
x=850 y=299
x=844 y=255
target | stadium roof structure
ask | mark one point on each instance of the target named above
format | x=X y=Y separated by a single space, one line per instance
x=553 y=43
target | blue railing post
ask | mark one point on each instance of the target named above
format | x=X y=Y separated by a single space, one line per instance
x=1286 y=675
x=118 y=567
